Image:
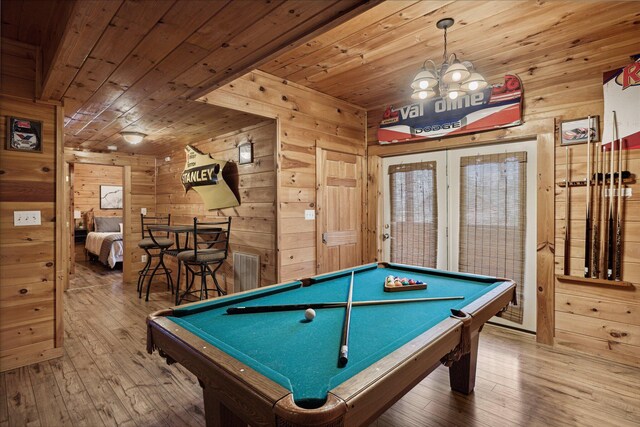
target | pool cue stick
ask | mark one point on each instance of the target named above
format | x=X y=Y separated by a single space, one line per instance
x=320 y=305
x=343 y=357
x=566 y=211
x=618 y=264
x=587 y=231
x=596 y=222
x=610 y=231
x=603 y=203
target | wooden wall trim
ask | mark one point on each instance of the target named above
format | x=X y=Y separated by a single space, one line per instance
x=62 y=228
x=545 y=238
x=127 y=226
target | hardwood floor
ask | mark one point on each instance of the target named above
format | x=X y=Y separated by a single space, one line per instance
x=106 y=377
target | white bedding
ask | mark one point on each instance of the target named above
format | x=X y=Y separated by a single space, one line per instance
x=94 y=242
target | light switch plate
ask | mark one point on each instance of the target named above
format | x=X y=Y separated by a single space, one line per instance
x=23 y=218
x=309 y=214
x=143 y=211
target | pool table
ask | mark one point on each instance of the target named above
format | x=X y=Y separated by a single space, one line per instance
x=278 y=368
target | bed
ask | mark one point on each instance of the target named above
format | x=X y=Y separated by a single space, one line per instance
x=105 y=242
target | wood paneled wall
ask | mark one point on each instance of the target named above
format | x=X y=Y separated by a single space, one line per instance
x=597 y=320
x=139 y=192
x=30 y=290
x=306 y=119
x=604 y=320
x=253 y=227
x=31 y=282
x=87 y=180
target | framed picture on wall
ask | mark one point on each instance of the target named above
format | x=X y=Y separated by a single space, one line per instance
x=110 y=197
x=24 y=135
x=575 y=131
x=245 y=153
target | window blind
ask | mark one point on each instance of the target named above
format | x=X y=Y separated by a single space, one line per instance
x=493 y=219
x=414 y=221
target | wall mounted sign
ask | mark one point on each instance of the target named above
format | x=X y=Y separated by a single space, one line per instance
x=24 y=135
x=622 y=95
x=206 y=176
x=495 y=107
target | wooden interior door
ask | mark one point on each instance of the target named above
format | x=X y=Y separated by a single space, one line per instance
x=339 y=209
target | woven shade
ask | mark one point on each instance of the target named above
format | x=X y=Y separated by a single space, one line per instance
x=414 y=222
x=493 y=219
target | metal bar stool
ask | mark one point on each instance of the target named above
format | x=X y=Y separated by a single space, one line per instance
x=155 y=247
x=174 y=252
x=210 y=249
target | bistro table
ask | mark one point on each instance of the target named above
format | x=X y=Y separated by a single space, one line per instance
x=177 y=230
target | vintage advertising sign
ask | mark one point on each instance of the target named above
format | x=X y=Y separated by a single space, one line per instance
x=495 y=107
x=205 y=175
x=622 y=95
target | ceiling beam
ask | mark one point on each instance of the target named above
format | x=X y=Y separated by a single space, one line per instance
x=83 y=28
x=288 y=41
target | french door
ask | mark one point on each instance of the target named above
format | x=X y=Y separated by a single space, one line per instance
x=475 y=207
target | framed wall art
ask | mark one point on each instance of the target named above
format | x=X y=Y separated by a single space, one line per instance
x=110 y=197
x=24 y=135
x=575 y=131
x=245 y=153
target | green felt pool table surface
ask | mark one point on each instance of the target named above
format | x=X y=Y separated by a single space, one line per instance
x=301 y=355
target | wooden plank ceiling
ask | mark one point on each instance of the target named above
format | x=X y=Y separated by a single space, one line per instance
x=131 y=65
x=371 y=60
x=123 y=65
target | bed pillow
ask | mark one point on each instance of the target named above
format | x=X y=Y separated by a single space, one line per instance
x=107 y=224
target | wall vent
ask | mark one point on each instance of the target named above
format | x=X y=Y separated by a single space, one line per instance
x=246 y=271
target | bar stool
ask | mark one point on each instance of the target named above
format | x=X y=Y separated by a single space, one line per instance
x=155 y=247
x=210 y=249
x=174 y=252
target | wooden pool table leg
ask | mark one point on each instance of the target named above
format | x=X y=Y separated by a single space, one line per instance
x=462 y=374
x=216 y=414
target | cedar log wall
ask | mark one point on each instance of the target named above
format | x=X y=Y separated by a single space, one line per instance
x=87 y=180
x=30 y=281
x=306 y=119
x=253 y=224
x=601 y=320
x=139 y=192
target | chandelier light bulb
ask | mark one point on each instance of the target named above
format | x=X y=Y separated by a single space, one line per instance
x=453 y=94
x=423 y=94
x=456 y=76
x=423 y=84
x=473 y=85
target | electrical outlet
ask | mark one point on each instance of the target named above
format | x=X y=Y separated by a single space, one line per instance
x=143 y=211
x=143 y=258
x=22 y=218
x=309 y=214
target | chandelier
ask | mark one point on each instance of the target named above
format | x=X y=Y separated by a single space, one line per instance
x=451 y=79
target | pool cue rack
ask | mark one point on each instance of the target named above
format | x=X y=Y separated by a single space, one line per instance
x=593 y=281
x=627 y=178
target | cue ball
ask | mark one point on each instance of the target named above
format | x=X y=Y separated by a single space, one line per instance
x=310 y=314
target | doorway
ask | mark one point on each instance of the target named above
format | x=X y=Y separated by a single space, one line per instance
x=97 y=212
x=470 y=210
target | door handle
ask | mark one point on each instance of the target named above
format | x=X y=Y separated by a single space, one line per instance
x=385 y=236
